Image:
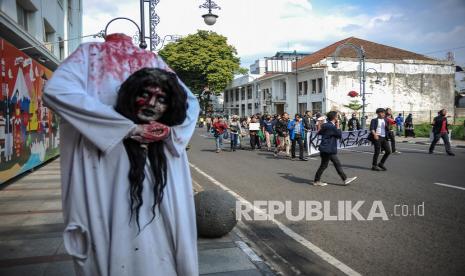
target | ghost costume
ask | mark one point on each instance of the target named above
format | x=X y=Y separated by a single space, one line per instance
x=94 y=170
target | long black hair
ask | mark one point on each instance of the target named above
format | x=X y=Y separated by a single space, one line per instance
x=174 y=115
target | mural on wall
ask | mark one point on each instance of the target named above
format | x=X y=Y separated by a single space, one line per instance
x=28 y=129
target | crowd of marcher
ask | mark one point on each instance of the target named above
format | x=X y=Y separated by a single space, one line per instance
x=281 y=134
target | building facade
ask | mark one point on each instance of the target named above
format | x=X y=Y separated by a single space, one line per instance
x=36 y=35
x=46 y=30
x=409 y=82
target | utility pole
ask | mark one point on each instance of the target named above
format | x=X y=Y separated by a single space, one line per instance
x=296 y=82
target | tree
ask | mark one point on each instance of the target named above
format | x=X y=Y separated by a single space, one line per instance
x=355 y=105
x=203 y=59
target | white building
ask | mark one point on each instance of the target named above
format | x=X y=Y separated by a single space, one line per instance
x=241 y=97
x=26 y=23
x=410 y=83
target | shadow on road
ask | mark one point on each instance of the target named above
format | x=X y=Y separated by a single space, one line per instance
x=295 y=179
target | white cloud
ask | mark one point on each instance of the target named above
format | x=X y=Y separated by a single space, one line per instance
x=256 y=27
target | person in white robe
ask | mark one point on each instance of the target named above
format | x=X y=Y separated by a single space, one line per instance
x=99 y=233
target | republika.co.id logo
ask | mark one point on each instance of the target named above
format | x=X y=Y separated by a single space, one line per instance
x=311 y=210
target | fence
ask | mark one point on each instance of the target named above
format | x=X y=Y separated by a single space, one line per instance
x=424 y=116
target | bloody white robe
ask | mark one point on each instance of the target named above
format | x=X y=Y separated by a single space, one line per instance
x=94 y=168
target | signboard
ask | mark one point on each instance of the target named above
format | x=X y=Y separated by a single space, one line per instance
x=254 y=126
x=349 y=139
x=28 y=129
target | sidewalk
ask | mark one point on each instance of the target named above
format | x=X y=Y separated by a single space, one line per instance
x=31 y=228
x=426 y=141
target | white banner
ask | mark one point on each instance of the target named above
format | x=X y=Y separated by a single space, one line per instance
x=349 y=139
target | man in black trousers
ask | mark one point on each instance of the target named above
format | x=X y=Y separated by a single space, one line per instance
x=328 y=149
x=379 y=133
x=441 y=130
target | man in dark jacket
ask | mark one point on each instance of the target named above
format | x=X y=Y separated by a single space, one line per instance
x=309 y=122
x=440 y=130
x=328 y=149
x=379 y=135
x=283 y=135
x=353 y=123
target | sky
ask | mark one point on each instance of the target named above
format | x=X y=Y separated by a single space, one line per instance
x=260 y=28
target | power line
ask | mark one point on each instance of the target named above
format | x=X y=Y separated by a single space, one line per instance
x=99 y=34
x=445 y=50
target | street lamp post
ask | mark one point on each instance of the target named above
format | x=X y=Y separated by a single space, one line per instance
x=296 y=83
x=154 y=19
x=362 y=70
x=210 y=18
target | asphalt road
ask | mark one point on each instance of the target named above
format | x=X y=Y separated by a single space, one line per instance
x=428 y=243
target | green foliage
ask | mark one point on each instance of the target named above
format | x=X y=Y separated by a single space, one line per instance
x=355 y=105
x=458 y=132
x=203 y=59
x=423 y=130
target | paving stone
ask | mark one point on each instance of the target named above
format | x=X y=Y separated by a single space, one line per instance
x=249 y=272
x=223 y=260
x=13 y=249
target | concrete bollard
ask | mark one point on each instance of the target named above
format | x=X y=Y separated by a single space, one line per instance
x=216 y=213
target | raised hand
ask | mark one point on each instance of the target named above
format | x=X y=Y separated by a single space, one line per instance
x=148 y=133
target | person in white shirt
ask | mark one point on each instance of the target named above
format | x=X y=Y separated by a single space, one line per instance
x=379 y=130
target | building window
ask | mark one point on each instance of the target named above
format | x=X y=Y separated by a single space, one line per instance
x=49 y=36
x=303 y=88
x=249 y=92
x=226 y=98
x=320 y=85
x=237 y=94
x=62 y=48
x=284 y=90
x=22 y=14
x=70 y=12
x=265 y=92
x=232 y=95
x=302 y=108
x=243 y=93
x=313 y=86
x=316 y=107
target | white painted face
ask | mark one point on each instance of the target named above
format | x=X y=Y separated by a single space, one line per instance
x=152 y=104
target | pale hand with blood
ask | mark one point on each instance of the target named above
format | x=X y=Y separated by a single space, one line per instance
x=149 y=133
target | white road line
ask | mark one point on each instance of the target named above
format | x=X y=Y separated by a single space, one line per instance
x=357 y=151
x=315 y=249
x=419 y=150
x=450 y=186
x=247 y=250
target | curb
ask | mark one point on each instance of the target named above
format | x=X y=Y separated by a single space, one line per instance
x=427 y=143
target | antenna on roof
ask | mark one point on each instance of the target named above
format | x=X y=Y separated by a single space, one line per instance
x=450 y=56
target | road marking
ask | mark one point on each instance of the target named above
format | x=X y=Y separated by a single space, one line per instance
x=298 y=238
x=419 y=150
x=450 y=186
x=196 y=186
x=248 y=251
x=358 y=151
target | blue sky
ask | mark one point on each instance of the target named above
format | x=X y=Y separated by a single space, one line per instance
x=260 y=28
